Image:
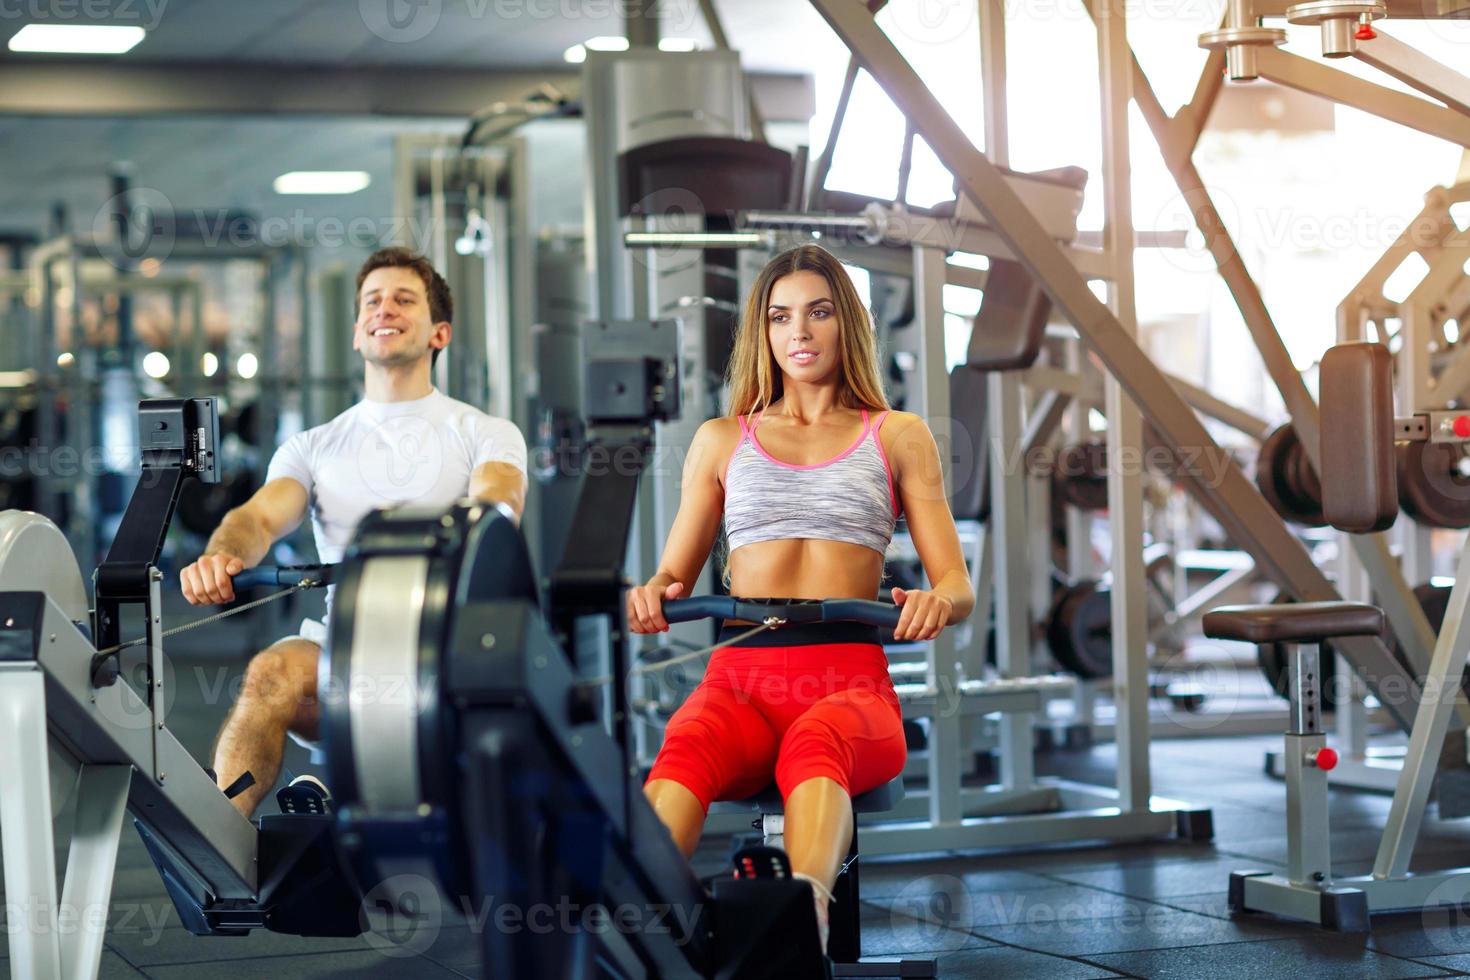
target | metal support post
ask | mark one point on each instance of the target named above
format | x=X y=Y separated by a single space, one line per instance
x=1352 y=714
x=933 y=378
x=823 y=165
x=1306 y=75
x=1125 y=425
x=44 y=362
x=82 y=432
x=102 y=802
x=305 y=382
x=25 y=826
x=1080 y=564
x=268 y=401
x=1393 y=57
x=521 y=349
x=1009 y=550
x=180 y=353
x=1412 y=375
x=1432 y=720
x=993 y=80
x=155 y=693
x=1308 y=848
x=641 y=22
x=972 y=662
x=1008 y=525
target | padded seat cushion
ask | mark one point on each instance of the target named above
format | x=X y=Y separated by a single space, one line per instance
x=1295 y=622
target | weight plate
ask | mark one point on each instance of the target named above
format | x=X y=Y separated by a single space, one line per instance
x=1080 y=631
x=1082 y=476
x=1432 y=489
x=1286 y=480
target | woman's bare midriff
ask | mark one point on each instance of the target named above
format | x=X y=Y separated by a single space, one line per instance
x=805 y=569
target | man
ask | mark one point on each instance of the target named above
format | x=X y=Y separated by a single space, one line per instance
x=405 y=442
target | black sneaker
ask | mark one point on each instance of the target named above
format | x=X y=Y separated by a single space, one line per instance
x=305 y=794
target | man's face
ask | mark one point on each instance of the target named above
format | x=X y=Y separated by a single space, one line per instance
x=394 y=327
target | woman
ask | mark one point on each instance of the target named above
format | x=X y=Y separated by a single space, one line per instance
x=809 y=474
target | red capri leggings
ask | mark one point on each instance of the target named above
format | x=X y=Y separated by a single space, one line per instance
x=807 y=707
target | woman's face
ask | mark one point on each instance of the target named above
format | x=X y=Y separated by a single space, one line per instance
x=801 y=323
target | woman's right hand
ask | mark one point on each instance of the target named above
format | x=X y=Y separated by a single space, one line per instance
x=646 y=606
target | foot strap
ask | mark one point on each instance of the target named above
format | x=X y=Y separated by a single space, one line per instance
x=246 y=780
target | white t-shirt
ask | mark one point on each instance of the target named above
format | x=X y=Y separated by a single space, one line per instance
x=380 y=454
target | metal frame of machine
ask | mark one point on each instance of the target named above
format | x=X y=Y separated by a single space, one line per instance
x=72 y=723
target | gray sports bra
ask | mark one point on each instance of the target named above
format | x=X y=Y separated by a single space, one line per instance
x=848 y=498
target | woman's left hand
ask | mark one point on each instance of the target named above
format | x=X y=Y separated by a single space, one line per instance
x=924 y=614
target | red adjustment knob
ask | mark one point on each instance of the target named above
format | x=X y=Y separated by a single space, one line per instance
x=1365 y=32
x=1461 y=426
x=1325 y=759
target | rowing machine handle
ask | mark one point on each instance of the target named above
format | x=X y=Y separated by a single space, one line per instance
x=285 y=576
x=863 y=611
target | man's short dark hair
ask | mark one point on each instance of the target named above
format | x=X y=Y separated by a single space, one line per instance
x=441 y=303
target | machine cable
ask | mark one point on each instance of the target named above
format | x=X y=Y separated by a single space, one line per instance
x=252 y=604
x=770 y=623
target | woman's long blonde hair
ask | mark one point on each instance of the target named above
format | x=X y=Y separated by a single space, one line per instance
x=755 y=377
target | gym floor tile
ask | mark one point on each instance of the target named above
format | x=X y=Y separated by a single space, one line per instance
x=369 y=965
x=147 y=948
x=1347 y=845
x=114 y=967
x=1017 y=964
x=1163 y=880
x=1215 y=904
x=1092 y=856
x=890 y=933
x=1434 y=932
x=456 y=948
x=1242 y=790
x=1318 y=958
x=131 y=884
x=1233 y=822
x=1147 y=927
x=1460 y=962
x=132 y=916
x=955 y=904
x=127 y=857
x=900 y=885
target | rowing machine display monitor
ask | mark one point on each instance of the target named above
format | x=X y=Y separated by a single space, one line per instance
x=632 y=380
x=181 y=432
x=632 y=371
x=1358 y=434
